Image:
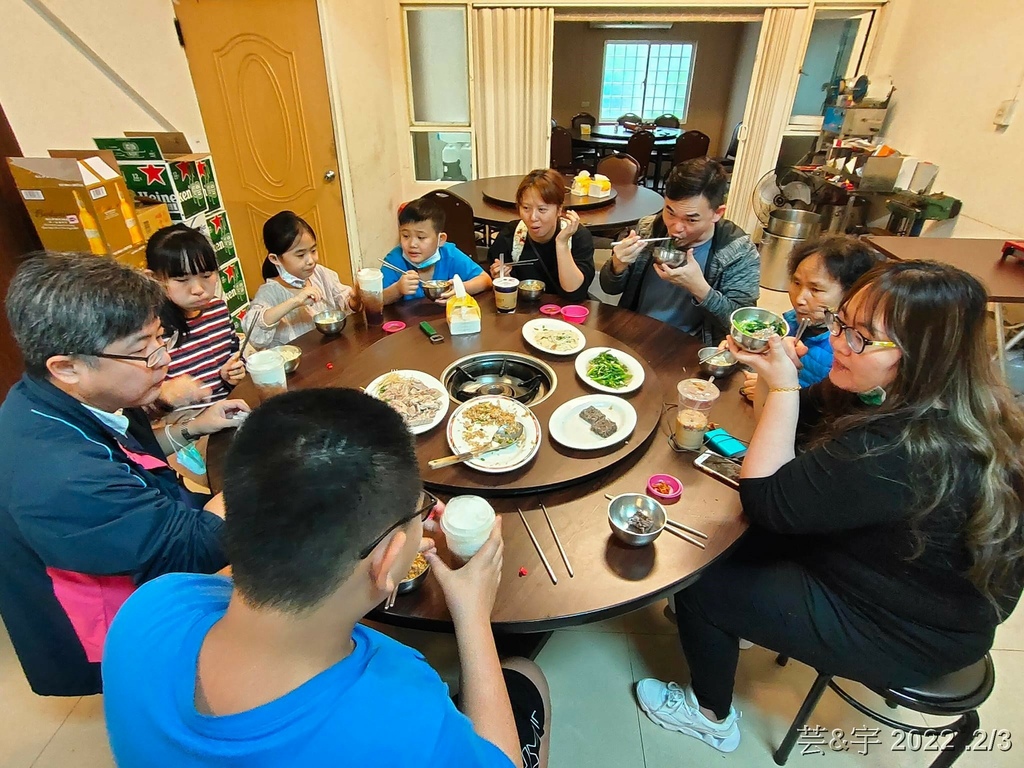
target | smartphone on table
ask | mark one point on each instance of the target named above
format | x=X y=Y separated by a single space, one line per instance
x=719 y=467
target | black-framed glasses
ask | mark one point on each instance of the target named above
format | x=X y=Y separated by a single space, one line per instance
x=854 y=339
x=424 y=507
x=153 y=359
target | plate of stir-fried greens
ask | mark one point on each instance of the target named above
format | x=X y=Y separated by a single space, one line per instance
x=609 y=370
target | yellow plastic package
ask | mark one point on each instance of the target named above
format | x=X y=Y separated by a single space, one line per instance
x=462 y=310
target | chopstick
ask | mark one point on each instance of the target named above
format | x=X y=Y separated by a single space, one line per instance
x=522 y=263
x=804 y=324
x=551 y=572
x=645 y=240
x=687 y=528
x=683 y=536
x=193 y=407
x=245 y=340
x=558 y=543
x=390 y=602
x=391 y=266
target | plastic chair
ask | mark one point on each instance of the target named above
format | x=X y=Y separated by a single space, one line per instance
x=458 y=215
x=667 y=121
x=620 y=168
x=958 y=694
x=561 y=149
x=640 y=147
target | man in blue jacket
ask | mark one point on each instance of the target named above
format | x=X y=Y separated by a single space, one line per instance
x=89 y=508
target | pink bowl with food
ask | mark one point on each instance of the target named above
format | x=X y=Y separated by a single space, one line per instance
x=575 y=313
x=664 y=488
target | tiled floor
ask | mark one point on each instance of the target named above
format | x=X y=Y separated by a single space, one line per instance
x=596 y=722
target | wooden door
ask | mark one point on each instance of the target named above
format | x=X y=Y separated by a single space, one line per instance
x=259 y=74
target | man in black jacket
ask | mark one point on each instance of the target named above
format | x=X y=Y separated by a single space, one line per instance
x=89 y=508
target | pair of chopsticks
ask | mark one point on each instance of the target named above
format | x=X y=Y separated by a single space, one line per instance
x=679 y=529
x=389 y=265
x=645 y=240
x=558 y=543
x=390 y=602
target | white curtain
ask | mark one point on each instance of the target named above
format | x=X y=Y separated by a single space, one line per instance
x=780 y=52
x=512 y=113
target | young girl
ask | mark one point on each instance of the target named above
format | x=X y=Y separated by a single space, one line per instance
x=820 y=274
x=205 y=360
x=297 y=288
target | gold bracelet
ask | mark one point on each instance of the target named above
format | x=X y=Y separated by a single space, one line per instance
x=784 y=389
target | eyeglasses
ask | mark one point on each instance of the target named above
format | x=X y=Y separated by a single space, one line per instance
x=424 y=507
x=854 y=339
x=153 y=359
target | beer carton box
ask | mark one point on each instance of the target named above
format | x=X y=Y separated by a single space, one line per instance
x=76 y=204
x=204 y=167
x=220 y=236
x=151 y=217
x=232 y=282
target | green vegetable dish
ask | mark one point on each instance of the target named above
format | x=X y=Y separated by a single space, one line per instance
x=760 y=329
x=608 y=370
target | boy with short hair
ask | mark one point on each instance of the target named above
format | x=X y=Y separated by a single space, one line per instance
x=424 y=253
x=324 y=516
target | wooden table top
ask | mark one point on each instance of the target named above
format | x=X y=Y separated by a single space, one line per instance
x=610 y=578
x=1003 y=280
x=620 y=133
x=631 y=203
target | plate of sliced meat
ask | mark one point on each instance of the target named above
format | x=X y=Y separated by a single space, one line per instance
x=417 y=396
x=592 y=422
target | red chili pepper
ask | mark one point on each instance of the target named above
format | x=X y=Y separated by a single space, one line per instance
x=523 y=571
x=330 y=366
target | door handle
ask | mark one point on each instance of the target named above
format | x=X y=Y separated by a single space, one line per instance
x=330 y=176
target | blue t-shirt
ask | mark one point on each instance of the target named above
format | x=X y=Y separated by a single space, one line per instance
x=818 y=360
x=453 y=262
x=671 y=304
x=382 y=705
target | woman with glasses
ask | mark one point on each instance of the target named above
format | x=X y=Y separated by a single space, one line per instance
x=886 y=540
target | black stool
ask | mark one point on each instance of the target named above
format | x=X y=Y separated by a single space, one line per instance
x=956 y=695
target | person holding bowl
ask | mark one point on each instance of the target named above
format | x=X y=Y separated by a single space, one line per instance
x=547 y=234
x=887 y=535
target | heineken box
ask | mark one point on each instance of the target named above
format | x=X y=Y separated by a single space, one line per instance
x=220 y=235
x=238 y=319
x=233 y=284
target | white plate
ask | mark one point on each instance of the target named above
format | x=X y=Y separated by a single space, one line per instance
x=570 y=430
x=631 y=363
x=430 y=381
x=505 y=459
x=531 y=328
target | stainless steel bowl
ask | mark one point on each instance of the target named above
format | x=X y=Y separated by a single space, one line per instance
x=721 y=362
x=292 y=357
x=330 y=322
x=408 y=585
x=531 y=290
x=624 y=506
x=746 y=341
x=433 y=289
x=669 y=255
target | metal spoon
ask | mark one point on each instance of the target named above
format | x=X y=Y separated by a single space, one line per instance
x=503 y=437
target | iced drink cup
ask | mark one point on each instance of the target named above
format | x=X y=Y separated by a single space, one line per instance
x=697 y=394
x=266 y=368
x=690 y=428
x=466 y=523
x=371 y=294
x=506 y=293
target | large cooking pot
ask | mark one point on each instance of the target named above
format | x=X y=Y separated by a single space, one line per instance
x=794 y=223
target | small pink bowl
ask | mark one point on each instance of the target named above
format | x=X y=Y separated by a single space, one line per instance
x=575 y=313
x=665 y=498
x=393 y=326
x=550 y=309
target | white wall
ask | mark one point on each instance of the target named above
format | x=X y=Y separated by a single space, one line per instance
x=745 y=56
x=952 y=63
x=55 y=98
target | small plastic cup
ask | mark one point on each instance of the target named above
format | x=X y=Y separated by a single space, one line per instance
x=575 y=313
x=266 y=369
x=466 y=523
x=697 y=394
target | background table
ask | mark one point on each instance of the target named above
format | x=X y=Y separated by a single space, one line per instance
x=1003 y=278
x=611 y=578
x=607 y=138
x=631 y=203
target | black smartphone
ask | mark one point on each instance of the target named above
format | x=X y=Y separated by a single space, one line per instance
x=719 y=467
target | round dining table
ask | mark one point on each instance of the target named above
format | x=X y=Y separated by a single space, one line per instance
x=609 y=578
x=606 y=138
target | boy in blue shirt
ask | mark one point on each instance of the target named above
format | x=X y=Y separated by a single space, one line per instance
x=426 y=254
x=324 y=515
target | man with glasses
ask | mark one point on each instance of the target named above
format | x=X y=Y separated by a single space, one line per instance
x=89 y=508
x=324 y=516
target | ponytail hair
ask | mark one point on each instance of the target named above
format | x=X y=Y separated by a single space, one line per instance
x=280 y=233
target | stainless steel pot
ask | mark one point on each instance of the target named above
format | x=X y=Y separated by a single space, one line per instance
x=797 y=224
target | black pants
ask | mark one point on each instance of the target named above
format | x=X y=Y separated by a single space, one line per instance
x=762 y=594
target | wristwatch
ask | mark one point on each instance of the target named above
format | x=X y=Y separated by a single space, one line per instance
x=186 y=435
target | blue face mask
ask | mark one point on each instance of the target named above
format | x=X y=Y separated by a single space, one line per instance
x=288 y=277
x=191 y=459
x=429 y=262
x=874 y=396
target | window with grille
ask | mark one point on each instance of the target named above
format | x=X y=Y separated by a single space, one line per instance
x=647 y=79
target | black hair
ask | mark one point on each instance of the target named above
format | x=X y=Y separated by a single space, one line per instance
x=76 y=304
x=423 y=209
x=845 y=258
x=178 y=251
x=699 y=176
x=311 y=478
x=280 y=233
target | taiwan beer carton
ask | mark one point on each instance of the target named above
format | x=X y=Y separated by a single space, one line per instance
x=77 y=204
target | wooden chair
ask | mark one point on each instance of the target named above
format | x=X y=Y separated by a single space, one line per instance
x=629 y=117
x=561 y=150
x=729 y=160
x=640 y=147
x=582 y=118
x=458 y=215
x=667 y=121
x=585 y=157
x=690 y=145
x=620 y=168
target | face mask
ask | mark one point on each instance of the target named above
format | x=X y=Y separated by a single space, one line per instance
x=190 y=458
x=427 y=262
x=288 y=277
x=874 y=396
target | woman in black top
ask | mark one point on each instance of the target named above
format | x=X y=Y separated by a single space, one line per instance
x=562 y=249
x=889 y=548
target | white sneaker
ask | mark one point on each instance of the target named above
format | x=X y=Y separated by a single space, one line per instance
x=676 y=709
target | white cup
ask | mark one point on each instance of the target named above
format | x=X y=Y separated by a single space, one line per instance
x=467 y=523
x=266 y=368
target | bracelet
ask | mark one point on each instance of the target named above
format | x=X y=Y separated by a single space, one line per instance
x=784 y=389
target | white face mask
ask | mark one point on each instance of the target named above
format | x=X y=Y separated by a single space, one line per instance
x=429 y=262
x=288 y=277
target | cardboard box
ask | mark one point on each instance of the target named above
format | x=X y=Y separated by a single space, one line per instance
x=220 y=235
x=232 y=282
x=151 y=217
x=76 y=204
x=136 y=257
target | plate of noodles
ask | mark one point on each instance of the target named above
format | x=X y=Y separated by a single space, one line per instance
x=418 y=397
x=556 y=337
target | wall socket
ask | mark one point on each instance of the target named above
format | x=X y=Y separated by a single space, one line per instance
x=1004 y=115
x=584 y=103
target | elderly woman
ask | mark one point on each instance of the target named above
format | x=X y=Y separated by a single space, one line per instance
x=548 y=235
x=889 y=547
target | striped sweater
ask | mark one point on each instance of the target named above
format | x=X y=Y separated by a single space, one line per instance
x=211 y=341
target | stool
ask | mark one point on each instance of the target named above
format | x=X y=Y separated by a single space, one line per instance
x=958 y=694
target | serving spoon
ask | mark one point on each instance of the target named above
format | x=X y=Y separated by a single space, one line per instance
x=503 y=437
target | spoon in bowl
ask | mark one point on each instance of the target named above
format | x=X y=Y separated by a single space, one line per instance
x=503 y=437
